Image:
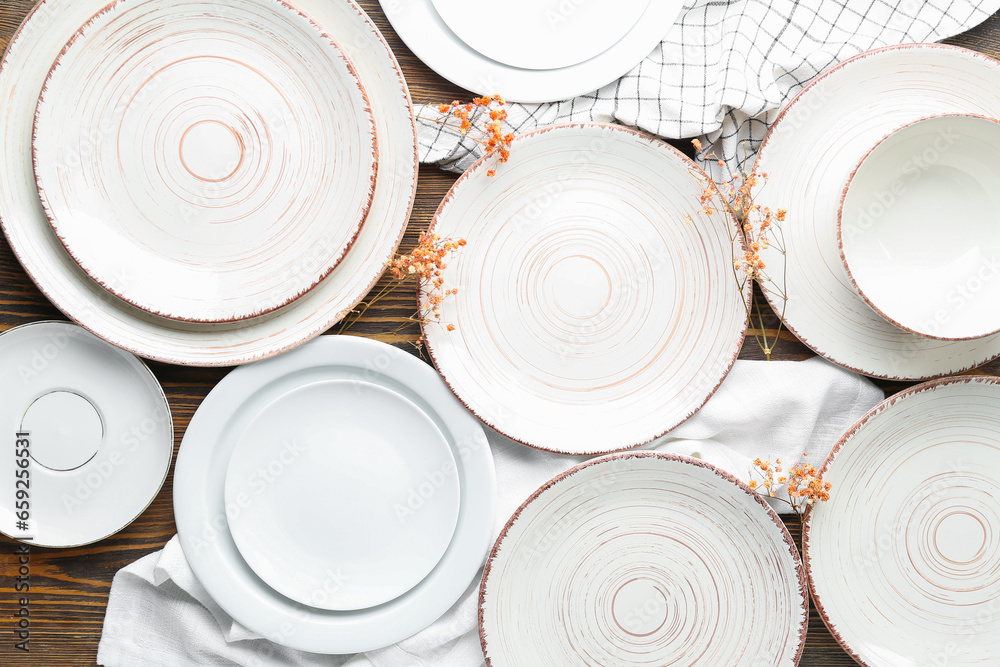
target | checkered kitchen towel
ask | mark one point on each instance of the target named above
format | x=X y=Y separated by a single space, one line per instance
x=725 y=69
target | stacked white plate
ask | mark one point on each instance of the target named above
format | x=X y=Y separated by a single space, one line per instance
x=532 y=51
x=335 y=499
x=208 y=182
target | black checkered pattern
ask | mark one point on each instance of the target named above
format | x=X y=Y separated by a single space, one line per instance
x=727 y=67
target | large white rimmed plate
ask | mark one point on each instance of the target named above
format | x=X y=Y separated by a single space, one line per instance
x=428 y=35
x=590 y=317
x=342 y=478
x=203 y=517
x=810 y=152
x=92 y=427
x=904 y=559
x=643 y=559
x=207 y=160
x=26 y=63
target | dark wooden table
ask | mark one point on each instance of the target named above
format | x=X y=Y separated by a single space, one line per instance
x=69 y=588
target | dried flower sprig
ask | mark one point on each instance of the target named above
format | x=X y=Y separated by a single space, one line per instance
x=760 y=227
x=423 y=265
x=483 y=120
x=805 y=486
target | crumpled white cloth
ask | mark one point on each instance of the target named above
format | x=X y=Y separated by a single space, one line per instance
x=725 y=69
x=159 y=615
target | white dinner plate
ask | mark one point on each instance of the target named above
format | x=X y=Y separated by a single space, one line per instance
x=327 y=478
x=644 y=559
x=531 y=78
x=93 y=435
x=810 y=152
x=591 y=317
x=26 y=63
x=208 y=160
x=547 y=36
x=203 y=515
x=904 y=559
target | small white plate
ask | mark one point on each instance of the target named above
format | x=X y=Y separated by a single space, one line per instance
x=26 y=64
x=644 y=559
x=95 y=430
x=342 y=478
x=918 y=227
x=203 y=515
x=591 y=317
x=641 y=27
x=904 y=559
x=205 y=161
x=809 y=153
x=548 y=36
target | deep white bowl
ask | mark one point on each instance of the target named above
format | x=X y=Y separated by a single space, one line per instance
x=919 y=227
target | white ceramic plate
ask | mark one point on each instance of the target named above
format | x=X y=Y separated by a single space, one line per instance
x=904 y=559
x=590 y=316
x=644 y=559
x=98 y=431
x=203 y=516
x=918 y=228
x=353 y=458
x=429 y=36
x=547 y=36
x=25 y=66
x=809 y=153
x=207 y=161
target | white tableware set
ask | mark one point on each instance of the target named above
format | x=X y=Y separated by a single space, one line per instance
x=213 y=182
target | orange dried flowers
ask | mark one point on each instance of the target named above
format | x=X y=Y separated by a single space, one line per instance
x=757 y=229
x=482 y=119
x=425 y=265
x=805 y=486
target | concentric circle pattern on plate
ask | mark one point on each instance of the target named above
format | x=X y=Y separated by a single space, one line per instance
x=26 y=64
x=643 y=559
x=904 y=560
x=205 y=160
x=590 y=317
x=203 y=516
x=810 y=152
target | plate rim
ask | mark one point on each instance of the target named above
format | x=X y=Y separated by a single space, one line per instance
x=797 y=558
x=633 y=133
x=887 y=404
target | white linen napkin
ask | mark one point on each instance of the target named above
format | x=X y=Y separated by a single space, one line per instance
x=159 y=615
x=725 y=69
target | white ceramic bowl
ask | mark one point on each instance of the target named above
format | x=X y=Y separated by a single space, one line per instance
x=919 y=227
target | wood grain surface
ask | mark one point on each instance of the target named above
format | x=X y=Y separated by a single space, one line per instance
x=69 y=588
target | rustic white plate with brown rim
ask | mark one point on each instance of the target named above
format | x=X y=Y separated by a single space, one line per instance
x=644 y=559
x=809 y=153
x=904 y=559
x=90 y=436
x=590 y=317
x=25 y=66
x=206 y=161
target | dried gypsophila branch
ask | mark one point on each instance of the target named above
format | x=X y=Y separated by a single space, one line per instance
x=805 y=486
x=760 y=228
x=483 y=121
